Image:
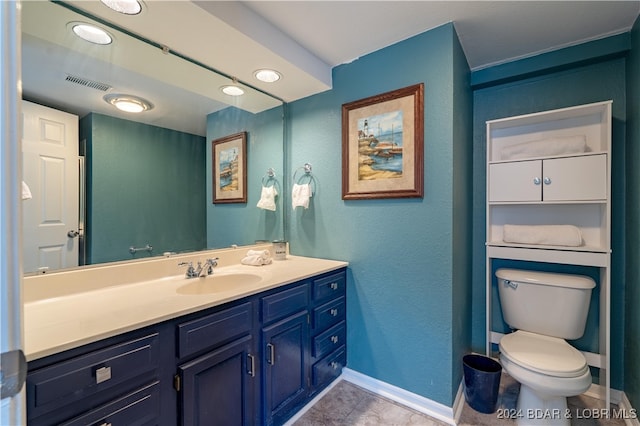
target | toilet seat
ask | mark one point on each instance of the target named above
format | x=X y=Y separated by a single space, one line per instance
x=546 y=355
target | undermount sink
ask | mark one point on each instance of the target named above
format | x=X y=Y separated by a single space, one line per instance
x=218 y=283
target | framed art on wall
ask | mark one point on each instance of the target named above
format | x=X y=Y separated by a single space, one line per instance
x=382 y=145
x=229 y=169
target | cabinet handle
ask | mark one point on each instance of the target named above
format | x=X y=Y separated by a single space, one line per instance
x=252 y=364
x=547 y=180
x=536 y=180
x=272 y=354
x=105 y=424
x=334 y=365
x=334 y=339
x=333 y=312
x=334 y=286
x=103 y=374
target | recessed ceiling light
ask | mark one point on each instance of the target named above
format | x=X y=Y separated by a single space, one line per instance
x=128 y=7
x=128 y=103
x=91 y=33
x=268 y=76
x=232 y=90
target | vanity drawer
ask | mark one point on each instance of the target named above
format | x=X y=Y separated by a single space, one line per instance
x=329 y=287
x=327 y=369
x=70 y=381
x=329 y=314
x=329 y=340
x=215 y=329
x=284 y=303
x=141 y=407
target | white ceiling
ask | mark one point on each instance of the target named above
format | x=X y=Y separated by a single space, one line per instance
x=304 y=40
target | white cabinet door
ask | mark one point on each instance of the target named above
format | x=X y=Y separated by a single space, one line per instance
x=517 y=181
x=575 y=178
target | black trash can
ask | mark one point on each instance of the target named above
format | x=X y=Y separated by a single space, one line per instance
x=481 y=382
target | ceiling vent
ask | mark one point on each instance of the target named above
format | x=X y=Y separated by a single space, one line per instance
x=88 y=83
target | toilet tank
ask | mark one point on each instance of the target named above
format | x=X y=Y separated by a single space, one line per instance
x=545 y=303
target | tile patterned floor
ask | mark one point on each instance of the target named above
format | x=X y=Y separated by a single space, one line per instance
x=350 y=405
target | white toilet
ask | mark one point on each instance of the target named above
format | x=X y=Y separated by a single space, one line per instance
x=544 y=309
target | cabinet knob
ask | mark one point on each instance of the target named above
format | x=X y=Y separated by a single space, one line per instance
x=334 y=339
x=536 y=180
x=335 y=365
x=334 y=286
x=547 y=180
x=333 y=312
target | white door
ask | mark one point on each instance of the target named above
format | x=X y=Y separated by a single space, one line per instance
x=51 y=171
x=575 y=178
x=516 y=181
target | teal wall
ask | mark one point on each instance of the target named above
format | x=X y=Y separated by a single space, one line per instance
x=408 y=292
x=245 y=223
x=145 y=184
x=600 y=79
x=632 y=295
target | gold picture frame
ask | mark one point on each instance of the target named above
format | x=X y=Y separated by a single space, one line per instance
x=383 y=145
x=229 y=169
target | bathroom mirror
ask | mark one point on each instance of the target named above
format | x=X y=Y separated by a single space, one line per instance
x=68 y=74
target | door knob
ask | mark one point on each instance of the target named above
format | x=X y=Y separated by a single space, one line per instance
x=72 y=234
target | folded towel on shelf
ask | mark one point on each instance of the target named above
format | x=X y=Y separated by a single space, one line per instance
x=268 y=198
x=257 y=258
x=26 y=192
x=545 y=147
x=300 y=195
x=550 y=235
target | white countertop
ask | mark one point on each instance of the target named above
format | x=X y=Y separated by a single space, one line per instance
x=56 y=324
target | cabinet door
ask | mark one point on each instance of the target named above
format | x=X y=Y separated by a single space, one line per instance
x=218 y=388
x=516 y=181
x=575 y=178
x=286 y=345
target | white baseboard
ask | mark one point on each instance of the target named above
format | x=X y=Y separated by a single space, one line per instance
x=404 y=397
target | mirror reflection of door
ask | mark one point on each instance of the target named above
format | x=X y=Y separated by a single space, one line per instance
x=51 y=173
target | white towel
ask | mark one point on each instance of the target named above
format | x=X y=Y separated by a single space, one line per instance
x=268 y=198
x=257 y=258
x=545 y=147
x=550 y=235
x=300 y=195
x=26 y=192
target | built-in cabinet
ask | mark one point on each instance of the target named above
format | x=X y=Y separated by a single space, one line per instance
x=254 y=361
x=552 y=169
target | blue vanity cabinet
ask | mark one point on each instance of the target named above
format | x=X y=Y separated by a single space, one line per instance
x=216 y=374
x=115 y=381
x=329 y=329
x=285 y=345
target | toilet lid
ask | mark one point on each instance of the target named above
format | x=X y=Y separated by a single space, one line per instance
x=547 y=355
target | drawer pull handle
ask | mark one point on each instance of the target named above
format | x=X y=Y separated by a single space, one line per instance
x=272 y=353
x=335 y=365
x=333 y=312
x=103 y=374
x=334 y=339
x=105 y=424
x=252 y=365
x=334 y=286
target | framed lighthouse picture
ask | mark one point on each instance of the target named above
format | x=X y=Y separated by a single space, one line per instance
x=229 y=169
x=382 y=145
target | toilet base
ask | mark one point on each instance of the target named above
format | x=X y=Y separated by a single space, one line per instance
x=535 y=409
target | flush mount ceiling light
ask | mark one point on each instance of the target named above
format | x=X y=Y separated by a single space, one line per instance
x=232 y=90
x=128 y=7
x=91 y=33
x=267 y=75
x=128 y=103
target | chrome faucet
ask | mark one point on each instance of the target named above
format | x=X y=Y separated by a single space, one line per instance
x=206 y=268
x=202 y=270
